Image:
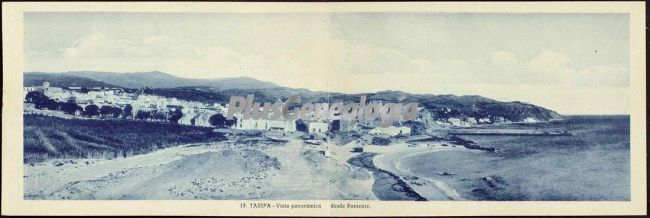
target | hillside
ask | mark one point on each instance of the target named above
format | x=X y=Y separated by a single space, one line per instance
x=219 y=91
x=62 y=80
x=47 y=137
x=156 y=79
x=439 y=106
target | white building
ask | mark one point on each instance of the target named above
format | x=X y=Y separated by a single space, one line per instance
x=261 y=124
x=202 y=119
x=454 y=121
x=459 y=122
x=530 y=120
x=484 y=120
x=59 y=96
x=195 y=119
x=284 y=125
x=30 y=89
x=349 y=125
x=27 y=90
x=251 y=124
x=45 y=89
x=318 y=127
x=391 y=131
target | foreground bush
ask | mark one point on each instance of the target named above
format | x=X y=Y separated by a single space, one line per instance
x=53 y=137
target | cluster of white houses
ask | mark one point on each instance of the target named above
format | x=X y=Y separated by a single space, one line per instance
x=261 y=124
x=194 y=113
x=281 y=125
x=316 y=127
x=198 y=114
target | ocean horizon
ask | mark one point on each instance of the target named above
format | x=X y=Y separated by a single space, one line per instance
x=592 y=164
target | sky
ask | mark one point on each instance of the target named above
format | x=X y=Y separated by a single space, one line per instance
x=570 y=63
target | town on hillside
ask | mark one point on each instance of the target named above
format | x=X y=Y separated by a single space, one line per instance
x=135 y=104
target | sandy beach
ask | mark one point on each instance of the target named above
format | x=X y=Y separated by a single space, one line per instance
x=291 y=170
x=389 y=159
x=295 y=170
x=205 y=171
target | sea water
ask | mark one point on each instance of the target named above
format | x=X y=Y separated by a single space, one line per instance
x=592 y=164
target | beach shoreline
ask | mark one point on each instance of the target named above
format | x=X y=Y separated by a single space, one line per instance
x=429 y=188
x=203 y=171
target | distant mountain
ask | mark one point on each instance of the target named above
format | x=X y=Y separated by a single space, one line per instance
x=445 y=106
x=220 y=90
x=439 y=106
x=156 y=79
x=62 y=80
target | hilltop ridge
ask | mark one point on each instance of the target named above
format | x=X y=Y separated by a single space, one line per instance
x=220 y=90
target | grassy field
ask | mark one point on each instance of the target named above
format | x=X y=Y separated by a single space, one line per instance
x=53 y=137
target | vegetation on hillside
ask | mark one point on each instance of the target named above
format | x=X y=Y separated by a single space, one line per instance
x=439 y=106
x=52 y=137
x=62 y=80
x=220 y=91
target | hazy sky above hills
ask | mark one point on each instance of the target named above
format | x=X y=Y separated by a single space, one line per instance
x=571 y=63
